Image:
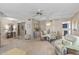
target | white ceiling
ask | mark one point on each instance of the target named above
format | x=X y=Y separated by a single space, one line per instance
x=52 y=10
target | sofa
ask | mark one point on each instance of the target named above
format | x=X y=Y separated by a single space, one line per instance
x=68 y=40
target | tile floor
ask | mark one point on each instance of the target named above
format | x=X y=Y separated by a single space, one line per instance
x=31 y=47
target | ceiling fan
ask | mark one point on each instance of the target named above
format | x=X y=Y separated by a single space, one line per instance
x=39 y=12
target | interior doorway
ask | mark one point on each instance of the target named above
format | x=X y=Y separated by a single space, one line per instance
x=21 y=30
x=36 y=30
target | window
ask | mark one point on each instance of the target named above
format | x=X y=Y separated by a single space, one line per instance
x=65 y=32
x=66 y=28
x=65 y=25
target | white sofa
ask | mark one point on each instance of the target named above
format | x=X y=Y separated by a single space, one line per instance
x=59 y=47
x=67 y=40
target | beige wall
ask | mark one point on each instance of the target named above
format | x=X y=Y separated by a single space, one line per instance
x=43 y=25
x=56 y=26
x=75 y=25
